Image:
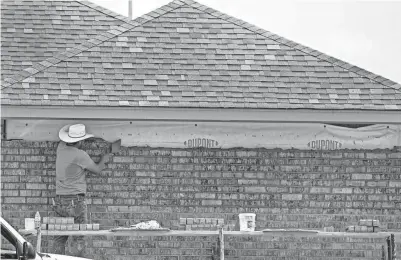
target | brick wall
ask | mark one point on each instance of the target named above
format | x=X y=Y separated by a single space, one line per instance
x=285 y=188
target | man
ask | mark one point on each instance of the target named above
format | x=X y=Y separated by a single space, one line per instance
x=72 y=165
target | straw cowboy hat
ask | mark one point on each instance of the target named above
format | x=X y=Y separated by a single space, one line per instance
x=74 y=133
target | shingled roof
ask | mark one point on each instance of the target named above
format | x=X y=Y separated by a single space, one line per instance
x=185 y=54
x=33 y=30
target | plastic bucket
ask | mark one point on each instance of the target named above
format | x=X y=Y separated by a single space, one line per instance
x=247 y=221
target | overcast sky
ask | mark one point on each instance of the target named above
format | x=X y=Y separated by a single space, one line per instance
x=364 y=33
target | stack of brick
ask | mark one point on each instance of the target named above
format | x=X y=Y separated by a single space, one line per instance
x=365 y=226
x=201 y=223
x=66 y=224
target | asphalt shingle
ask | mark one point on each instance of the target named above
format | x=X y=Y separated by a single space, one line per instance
x=188 y=55
x=33 y=30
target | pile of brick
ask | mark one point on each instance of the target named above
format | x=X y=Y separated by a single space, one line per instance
x=201 y=223
x=365 y=226
x=65 y=224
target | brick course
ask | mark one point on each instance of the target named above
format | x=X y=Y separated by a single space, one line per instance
x=285 y=188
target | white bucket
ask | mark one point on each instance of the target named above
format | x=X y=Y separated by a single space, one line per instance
x=247 y=221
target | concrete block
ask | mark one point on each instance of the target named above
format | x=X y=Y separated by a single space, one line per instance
x=350 y=229
x=358 y=229
x=183 y=221
x=96 y=226
x=366 y=222
x=328 y=229
x=376 y=223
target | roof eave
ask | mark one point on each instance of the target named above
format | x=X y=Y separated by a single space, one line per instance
x=203 y=114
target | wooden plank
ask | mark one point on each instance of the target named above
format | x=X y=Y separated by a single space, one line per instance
x=393 y=247
x=383 y=253
x=123 y=229
x=38 y=226
x=397 y=235
x=221 y=240
x=389 y=249
x=115 y=147
x=215 y=134
x=203 y=114
x=3 y=129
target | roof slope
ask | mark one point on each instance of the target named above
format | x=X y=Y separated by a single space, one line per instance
x=188 y=55
x=33 y=30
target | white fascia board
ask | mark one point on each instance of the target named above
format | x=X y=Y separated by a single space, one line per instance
x=203 y=114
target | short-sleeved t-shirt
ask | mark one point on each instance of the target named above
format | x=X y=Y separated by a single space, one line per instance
x=71 y=163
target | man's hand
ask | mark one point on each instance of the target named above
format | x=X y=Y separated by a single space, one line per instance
x=98 y=167
x=105 y=158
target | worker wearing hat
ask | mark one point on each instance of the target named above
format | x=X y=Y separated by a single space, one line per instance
x=72 y=165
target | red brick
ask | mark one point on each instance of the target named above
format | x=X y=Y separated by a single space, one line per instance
x=211 y=202
x=120 y=159
x=247 y=182
x=292 y=196
x=205 y=196
x=394 y=155
x=6 y=179
x=361 y=176
x=395 y=183
x=255 y=189
x=320 y=190
x=13 y=186
x=15 y=200
x=36 y=186
x=376 y=155
x=342 y=190
x=10 y=193
x=34 y=200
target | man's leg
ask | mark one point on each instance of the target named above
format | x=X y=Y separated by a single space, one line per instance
x=61 y=208
x=59 y=245
x=81 y=217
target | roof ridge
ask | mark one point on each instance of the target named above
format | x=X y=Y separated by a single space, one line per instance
x=315 y=53
x=104 y=10
x=88 y=44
